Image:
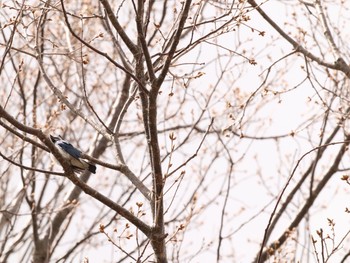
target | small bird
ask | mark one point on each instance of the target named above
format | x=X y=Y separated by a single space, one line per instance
x=72 y=154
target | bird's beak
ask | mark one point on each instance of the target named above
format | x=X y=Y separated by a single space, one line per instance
x=53 y=138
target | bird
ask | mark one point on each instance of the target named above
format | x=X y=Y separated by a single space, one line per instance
x=72 y=155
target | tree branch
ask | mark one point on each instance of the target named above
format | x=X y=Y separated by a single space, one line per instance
x=142 y=39
x=339 y=64
x=264 y=255
x=100 y=52
x=132 y=47
x=174 y=45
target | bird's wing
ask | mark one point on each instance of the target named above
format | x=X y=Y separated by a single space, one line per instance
x=68 y=148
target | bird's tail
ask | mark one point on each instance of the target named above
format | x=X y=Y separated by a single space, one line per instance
x=87 y=166
x=92 y=168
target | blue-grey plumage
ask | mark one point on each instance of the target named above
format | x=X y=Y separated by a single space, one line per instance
x=72 y=154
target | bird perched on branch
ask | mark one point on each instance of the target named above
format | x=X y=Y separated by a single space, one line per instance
x=72 y=155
